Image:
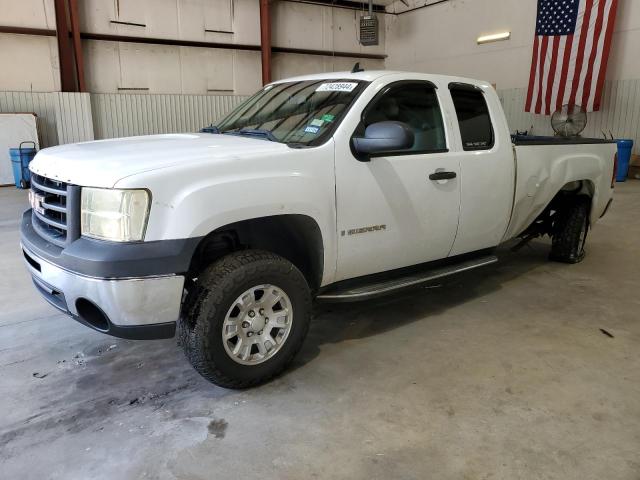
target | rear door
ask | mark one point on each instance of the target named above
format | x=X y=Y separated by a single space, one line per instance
x=487 y=171
x=390 y=214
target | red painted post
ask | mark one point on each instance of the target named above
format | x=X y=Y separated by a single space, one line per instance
x=265 y=40
x=65 y=49
x=77 y=44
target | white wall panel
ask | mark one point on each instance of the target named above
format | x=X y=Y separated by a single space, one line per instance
x=123 y=115
x=443 y=39
x=29 y=63
x=162 y=69
x=73 y=117
x=78 y=117
x=315 y=27
x=41 y=104
x=619 y=115
x=167 y=69
x=28 y=13
x=286 y=65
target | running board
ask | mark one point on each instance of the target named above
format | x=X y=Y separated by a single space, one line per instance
x=379 y=288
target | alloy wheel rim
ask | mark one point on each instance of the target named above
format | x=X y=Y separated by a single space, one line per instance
x=257 y=324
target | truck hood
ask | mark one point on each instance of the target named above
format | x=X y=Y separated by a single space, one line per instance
x=103 y=163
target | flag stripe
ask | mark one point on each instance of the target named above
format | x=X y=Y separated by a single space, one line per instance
x=544 y=74
x=598 y=58
x=565 y=71
x=574 y=53
x=558 y=73
x=543 y=58
x=586 y=89
x=605 y=54
x=536 y=83
x=580 y=56
x=590 y=44
x=552 y=73
x=532 y=75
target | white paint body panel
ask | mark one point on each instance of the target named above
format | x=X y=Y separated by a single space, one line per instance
x=201 y=182
x=421 y=216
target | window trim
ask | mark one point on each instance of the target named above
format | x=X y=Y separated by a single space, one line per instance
x=468 y=87
x=398 y=153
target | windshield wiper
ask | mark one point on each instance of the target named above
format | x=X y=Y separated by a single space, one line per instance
x=210 y=129
x=297 y=145
x=256 y=132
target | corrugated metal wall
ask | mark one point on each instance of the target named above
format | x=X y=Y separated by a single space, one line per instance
x=122 y=115
x=73 y=117
x=42 y=104
x=78 y=117
x=619 y=115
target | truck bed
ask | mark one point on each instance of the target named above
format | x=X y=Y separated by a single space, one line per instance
x=522 y=140
x=545 y=165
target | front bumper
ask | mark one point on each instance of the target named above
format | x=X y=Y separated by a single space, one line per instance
x=136 y=308
x=129 y=290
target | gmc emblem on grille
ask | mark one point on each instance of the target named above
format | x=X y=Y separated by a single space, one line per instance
x=36 y=202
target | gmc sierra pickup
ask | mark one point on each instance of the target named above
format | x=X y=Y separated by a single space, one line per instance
x=335 y=187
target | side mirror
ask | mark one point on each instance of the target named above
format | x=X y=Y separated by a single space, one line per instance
x=383 y=137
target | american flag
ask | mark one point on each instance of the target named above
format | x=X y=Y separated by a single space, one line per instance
x=570 y=54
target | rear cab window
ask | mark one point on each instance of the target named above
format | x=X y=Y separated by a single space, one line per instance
x=473 y=115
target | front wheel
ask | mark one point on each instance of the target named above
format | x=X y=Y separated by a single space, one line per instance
x=246 y=318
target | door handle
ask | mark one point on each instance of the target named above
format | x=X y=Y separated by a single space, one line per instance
x=442 y=176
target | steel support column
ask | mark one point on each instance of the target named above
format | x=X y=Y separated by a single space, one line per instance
x=265 y=40
x=65 y=49
x=77 y=44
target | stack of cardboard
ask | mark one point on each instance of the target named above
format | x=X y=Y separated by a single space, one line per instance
x=634 y=167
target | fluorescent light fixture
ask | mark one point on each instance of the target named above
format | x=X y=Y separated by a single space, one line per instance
x=496 y=37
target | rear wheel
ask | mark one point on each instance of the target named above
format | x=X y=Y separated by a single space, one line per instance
x=246 y=318
x=570 y=230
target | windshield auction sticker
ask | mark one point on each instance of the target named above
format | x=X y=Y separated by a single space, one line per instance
x=337 y=87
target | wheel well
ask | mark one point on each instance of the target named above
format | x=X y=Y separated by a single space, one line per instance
x=569 y=192
x=294 y=237
x=566 y=196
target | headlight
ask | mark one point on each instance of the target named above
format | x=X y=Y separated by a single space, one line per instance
x=116 y=215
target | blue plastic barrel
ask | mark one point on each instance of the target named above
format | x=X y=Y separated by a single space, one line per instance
x=624 y=157
x=20 y=159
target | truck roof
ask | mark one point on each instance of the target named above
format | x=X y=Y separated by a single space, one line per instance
x=371 y=75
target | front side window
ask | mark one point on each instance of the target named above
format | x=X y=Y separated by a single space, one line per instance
x=416 y=105
x=473 y=117
x=303 y=113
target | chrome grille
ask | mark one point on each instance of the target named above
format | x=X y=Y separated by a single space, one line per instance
x=55 y=213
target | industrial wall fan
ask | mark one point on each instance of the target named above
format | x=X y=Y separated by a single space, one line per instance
x=569 y=121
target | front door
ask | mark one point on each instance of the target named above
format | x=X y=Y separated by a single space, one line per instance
x=390 y=214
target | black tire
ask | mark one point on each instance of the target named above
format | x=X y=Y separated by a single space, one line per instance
x=570 y=230
x=206 y=306
x=24 y=184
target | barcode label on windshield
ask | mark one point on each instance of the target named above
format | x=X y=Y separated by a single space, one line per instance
x=337 y=87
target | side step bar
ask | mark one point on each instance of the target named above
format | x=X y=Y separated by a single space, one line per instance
x=380 y=288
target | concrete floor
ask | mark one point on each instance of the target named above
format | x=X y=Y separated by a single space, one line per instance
x=502 y=373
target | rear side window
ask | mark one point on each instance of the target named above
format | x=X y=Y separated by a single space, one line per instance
x=473 y=117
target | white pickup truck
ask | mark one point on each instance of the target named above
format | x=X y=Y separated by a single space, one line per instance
x=340 y=186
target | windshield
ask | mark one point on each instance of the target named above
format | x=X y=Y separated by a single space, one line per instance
x=302 y=113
